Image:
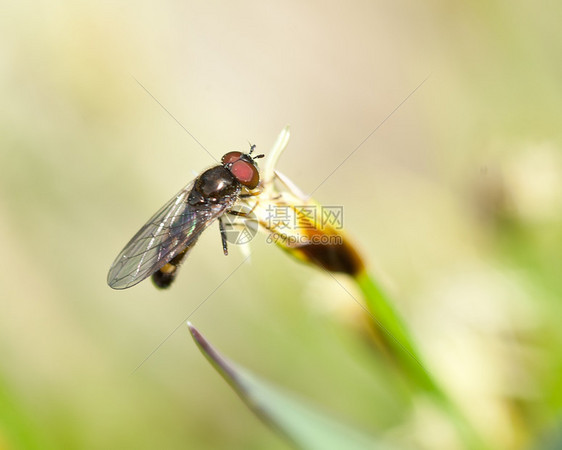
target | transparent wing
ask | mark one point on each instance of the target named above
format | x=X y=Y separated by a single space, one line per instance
x=174 y=227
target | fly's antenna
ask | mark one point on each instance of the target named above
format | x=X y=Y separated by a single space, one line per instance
x=252 y=148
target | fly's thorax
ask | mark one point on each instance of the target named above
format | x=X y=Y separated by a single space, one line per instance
x=215 y=183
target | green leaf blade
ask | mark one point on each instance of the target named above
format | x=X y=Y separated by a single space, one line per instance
x=298 y=421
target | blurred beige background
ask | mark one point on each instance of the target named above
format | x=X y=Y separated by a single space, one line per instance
x=456 y=201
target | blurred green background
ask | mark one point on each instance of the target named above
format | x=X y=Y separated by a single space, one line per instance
x=456 y=202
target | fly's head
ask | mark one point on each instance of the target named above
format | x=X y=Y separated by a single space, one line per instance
x=243 y=167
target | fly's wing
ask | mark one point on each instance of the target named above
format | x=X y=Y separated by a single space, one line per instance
x=174 y=227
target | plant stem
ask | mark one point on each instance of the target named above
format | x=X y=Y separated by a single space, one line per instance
x=398 y=344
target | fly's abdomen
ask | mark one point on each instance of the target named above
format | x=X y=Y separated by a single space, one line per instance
x=164 y=276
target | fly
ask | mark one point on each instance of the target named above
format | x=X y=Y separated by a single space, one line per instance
x=163 y=243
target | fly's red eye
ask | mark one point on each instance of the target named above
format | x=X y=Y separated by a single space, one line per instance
x=246 y=173
x=231 y=157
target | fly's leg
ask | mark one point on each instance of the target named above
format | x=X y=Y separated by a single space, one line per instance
x=255 y=194
x=223 y=237
x=235 y=212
